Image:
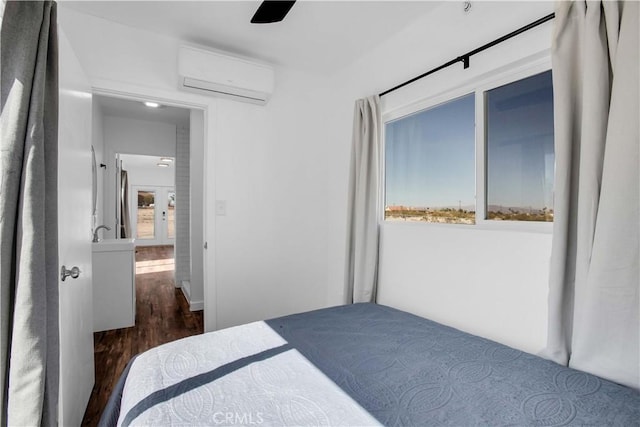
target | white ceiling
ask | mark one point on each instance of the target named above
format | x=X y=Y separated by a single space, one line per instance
x=118 y=107
x=316 y=35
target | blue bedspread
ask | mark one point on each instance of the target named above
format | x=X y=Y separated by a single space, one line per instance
x=406 y=370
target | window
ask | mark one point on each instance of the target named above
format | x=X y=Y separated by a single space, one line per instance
x=146 y=215
x=430 y=164
x=171 y=214
x=440 y=169
x=520 y=156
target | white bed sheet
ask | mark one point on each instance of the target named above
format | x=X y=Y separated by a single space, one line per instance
x=282 y=390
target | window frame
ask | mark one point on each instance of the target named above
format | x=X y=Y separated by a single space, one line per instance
x=479 y=87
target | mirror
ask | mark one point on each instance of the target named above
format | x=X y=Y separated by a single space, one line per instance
x=94 y=170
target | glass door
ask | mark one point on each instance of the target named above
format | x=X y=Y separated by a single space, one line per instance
x=171 y=214
x=146 y=215
x=154 y=218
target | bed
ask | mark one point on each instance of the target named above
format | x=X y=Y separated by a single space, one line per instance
x=361 y=364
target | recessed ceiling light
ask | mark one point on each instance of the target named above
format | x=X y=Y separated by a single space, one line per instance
x=151 y=104
x=163 y=165
x=166 y=159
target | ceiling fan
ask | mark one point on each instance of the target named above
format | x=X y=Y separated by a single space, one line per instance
x=271 y=11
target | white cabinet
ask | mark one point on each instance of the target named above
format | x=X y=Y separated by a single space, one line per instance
x=114 y=291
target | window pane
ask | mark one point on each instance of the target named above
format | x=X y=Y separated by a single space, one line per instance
x=430 y=164
x=146 y=215
x=171 y=215
x=520 y=156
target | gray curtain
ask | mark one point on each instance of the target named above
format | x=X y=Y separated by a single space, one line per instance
x=363 y=203
x=125 y=218
x=594 y=282
x=28 y=214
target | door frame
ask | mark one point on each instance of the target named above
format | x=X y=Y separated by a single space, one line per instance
x=161 y=232
x=208 y=106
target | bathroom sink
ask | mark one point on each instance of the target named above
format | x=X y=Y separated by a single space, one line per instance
x=113 y=245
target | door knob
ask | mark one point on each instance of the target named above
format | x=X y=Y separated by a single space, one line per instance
x=64 y=273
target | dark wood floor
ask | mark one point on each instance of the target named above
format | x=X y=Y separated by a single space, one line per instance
x=162 y=315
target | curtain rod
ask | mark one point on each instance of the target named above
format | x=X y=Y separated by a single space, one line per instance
x=465 y=58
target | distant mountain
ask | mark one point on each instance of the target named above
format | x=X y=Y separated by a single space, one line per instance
x=513 y=209
x=471 y=208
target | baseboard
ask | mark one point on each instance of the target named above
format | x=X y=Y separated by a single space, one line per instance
x=193 y=305
x=196 y=305
x=186 y=289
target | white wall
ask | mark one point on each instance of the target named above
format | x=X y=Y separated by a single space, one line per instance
x=131 y=136
x=491 y=283
x=183 y=200
x=487 y=282
x=268 y=255
x=149 y=176
x=271 y=247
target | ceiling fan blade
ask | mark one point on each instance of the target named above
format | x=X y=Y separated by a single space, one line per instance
x=271 y=11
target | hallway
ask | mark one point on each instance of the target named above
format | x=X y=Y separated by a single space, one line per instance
x=162 y=315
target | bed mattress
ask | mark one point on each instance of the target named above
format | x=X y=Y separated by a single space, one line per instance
x=362 y=364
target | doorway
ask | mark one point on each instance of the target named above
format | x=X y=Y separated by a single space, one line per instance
x=154 y=215
x=171 y=139
x=156 y=153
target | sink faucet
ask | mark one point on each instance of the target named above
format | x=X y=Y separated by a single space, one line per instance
x=95 y=232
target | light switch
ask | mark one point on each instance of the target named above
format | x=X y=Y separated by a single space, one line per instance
x=221 y=207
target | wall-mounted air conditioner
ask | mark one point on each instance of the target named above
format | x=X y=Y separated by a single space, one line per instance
x=217 y=74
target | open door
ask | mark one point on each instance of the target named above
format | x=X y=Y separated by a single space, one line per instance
x=74 y=229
